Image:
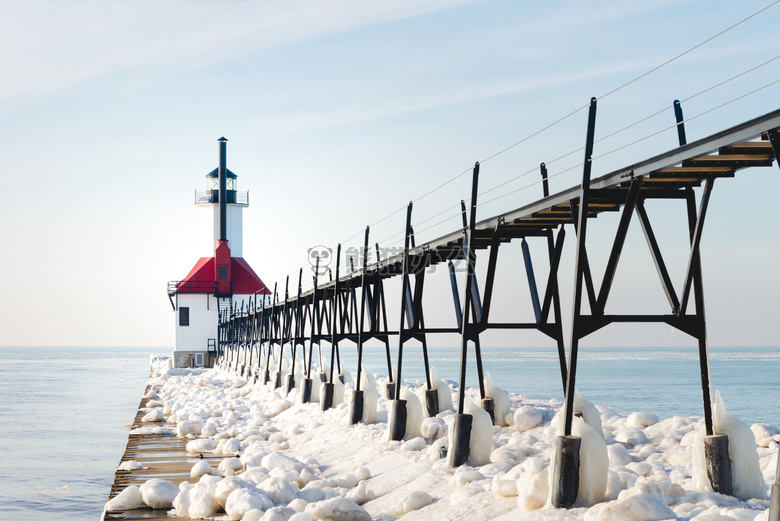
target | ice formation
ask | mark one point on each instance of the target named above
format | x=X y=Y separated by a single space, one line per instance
x=533 y=485
x=370 y=396
x=413 y=501
x=481 y=434
x=443 y=393
x=129 y=499
x=130 y=465
x=414 y=413
x=594 y=459
x=299 y=463
x=589 y=412
x=643 y=502
x=747 y=479
x=500 y=400
x=158 y=493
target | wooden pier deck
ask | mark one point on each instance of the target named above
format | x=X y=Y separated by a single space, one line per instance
x=164 y=456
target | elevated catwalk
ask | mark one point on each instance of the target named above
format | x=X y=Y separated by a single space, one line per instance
x=334 y=312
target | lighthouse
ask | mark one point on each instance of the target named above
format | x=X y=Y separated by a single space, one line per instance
x=217 y=281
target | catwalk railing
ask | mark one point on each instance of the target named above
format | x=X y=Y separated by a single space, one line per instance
x=351 y=306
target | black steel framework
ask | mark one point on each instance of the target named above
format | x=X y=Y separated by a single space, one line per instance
x=333 y=305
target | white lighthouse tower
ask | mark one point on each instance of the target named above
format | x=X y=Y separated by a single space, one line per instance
x=215 y=282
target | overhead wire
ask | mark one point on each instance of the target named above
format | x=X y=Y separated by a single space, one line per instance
x=642 y=120
x=686 y=120
x=667 y=62
x=575 y=111
x=640 y=139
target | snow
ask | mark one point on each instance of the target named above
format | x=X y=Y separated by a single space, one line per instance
x=745 y=468
x=526 y=418
x=155 y=415
x=414 y=413
x=500 y=398
x=241 y=501
x=338 y=509
x=158 y=493
x=443 y=392
x=643 y=502
x=299 y=463
x=370 y=397
x=130 y=465
x=414 y=501
x=481 y=434
x=129 y=499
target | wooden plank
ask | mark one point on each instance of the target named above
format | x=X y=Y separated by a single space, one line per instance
x=693 y=170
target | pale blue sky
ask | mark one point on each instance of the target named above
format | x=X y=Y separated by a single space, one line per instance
x=338 y=113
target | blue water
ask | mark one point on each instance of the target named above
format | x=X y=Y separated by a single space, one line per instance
x=62 y=417
x=664 y=381
x=63 y=410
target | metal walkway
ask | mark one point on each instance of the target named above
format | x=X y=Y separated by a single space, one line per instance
x=334 y=312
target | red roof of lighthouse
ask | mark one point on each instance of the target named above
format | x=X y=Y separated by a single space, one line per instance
x=201 y=278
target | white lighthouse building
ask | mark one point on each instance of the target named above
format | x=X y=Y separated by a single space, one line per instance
x=215 y=282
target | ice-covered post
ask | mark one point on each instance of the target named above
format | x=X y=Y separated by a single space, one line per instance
x=282 y=336
x=315 y=318
x=329 y=389
x=397 y=423
x=267 y=373
x=774 y=501
x=356 y=407
x=461 y=427
x=293 y=345
x=716 y=446
x=379 y=306
x=566 y=473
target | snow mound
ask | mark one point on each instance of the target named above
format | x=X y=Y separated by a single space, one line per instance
x=413 y=501
x=337 y=509
x=158 y=493
x=128 y=499
x=643 y=502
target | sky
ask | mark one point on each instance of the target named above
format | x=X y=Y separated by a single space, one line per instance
x=340 y=112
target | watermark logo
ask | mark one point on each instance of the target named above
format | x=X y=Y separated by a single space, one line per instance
x=320 y=253
x=353 y=258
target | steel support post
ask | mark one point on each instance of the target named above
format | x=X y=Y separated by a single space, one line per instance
x=461 y=436
x=774 y=140
x=715 y=445
x=397 y=422
x=271 y=321
x=484 y=315
x=328 y=389
x=356 y=406
x=774 y=500
x=297 y=335
x=313 y=307
x=380 y=309
x=678 y=115
x=284 y=333
x=431 y=395
x=566 y=489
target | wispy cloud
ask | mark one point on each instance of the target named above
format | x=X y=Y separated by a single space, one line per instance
x=49 y=45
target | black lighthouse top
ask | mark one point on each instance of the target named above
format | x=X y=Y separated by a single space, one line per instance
x=211 y=194
x=213 y=186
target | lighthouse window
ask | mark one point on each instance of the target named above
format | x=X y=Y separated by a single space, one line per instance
x=184 y=316
x=223 y=272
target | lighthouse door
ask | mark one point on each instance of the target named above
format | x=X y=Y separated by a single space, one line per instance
x=223 y=280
